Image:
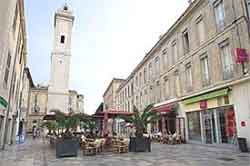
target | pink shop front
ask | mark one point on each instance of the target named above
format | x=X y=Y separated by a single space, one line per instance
x=170 y=122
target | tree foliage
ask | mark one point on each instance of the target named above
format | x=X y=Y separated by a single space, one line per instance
x=141 y=119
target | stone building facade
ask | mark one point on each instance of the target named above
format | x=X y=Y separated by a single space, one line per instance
x=109 y=96
x=12 y=62
x=38 y=105
x=200 y=66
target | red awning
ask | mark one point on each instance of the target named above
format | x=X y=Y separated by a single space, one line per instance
x=166 y=108
x=112 y=113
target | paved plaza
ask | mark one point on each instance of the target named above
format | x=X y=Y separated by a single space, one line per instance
x=35 y=153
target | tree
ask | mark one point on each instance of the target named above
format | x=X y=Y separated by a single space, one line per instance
x=51 y=126
x=89 y=124
x=66 y=123
x=141 y=119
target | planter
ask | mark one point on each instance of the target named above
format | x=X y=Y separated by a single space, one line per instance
x=67 y=147
x=140 y=144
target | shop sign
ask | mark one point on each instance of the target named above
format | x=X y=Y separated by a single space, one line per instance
x=203 y=104
x=243 y=124
x=241 y=55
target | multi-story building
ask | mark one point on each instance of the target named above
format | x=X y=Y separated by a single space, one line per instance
x=109 y=96
x=109 y=125
x=38 y=105
x=23 y=117
x=76 y=102
x=200 y=69
x=12 y=62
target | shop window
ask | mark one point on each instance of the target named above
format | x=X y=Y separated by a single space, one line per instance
x=194 y=128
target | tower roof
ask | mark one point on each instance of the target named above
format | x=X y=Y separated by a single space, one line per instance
x=64 y=12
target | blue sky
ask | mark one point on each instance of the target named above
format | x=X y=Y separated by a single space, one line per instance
x=110 y=37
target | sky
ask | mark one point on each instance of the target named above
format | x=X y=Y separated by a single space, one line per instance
x=110 y=37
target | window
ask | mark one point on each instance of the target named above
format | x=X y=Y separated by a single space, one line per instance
x=177 y=83
x=194 y=127
x=157 y=66
x=188 y=75
x=15 y=19
x=163 y=62
x=145 y=75
x=174 y=53
x=227 y=60
x=136 y=81
x=200 y=30
x=166 y=88
x=36 y=108
x=205 y=70
x=132 y=89
x=7 y=69
x=150 y=71
x=248 y=8
x=158 y=91
x=185 y=38
x=62 y=39
x=140 y=79
x=128 y=91
x=219 y=14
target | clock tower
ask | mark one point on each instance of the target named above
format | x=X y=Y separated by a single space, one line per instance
x=58 y=90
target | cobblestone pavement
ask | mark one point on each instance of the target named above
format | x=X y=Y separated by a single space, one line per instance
x=34 y=153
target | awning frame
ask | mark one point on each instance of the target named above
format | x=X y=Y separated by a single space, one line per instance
x=207 y=96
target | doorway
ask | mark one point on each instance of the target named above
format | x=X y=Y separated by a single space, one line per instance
x=209 y=127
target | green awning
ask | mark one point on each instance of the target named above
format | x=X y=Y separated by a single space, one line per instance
x=218 y=93
x=3 y=102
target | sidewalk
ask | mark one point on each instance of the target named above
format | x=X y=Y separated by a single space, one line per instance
x=35 y=153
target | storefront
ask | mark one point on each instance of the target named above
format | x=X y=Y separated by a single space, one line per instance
x=170 y=122
x=211 y=118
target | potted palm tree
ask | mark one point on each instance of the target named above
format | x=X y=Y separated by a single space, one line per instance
x=140 y=121
x=89 y=125
x=66 y=143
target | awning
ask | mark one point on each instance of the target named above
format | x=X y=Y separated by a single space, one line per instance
x=166 y=108
x=3 y=102
x=49 y=117
x=114 y=113
x=214 y=94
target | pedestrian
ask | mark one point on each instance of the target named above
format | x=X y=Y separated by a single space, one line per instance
x=34 y=132
x=44 y=135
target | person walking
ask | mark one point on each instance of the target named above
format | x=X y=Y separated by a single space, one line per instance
x=34 y=132
x=44 y=134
